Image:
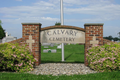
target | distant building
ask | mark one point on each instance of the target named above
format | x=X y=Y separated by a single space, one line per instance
x=8 y=38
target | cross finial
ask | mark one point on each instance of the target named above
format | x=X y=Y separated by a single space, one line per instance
x=30 y=41
x=94 y=41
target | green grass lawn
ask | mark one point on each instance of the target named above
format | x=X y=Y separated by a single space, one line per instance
x=73 y=54
x=27 y=76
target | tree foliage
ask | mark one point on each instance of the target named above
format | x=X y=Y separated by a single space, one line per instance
x=2 y=31
x=119 y=34
x=111 y=38
x=0 y=22
x=57 y=23
x=116 y=39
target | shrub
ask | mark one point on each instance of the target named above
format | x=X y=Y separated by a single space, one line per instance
x=16 y=58
x=2 y=46
x=104 y=58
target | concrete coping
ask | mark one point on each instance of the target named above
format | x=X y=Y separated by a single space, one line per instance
x=94 y=24
x=31 y=23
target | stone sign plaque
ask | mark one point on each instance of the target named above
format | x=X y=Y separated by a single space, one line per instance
x=62 y=36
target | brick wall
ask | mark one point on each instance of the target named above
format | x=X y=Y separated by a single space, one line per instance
x=90 y=31
x=33 y=29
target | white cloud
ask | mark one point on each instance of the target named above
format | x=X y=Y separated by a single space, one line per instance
x=103 y=10
x=49 y=18
x=47 y=12
x=82 y=2
x=43 y=3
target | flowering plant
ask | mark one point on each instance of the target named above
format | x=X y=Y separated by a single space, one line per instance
x=104 y=58
x=16 y=58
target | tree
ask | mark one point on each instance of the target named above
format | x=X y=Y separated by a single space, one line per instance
x=119 y=35
x=116 y=39
x=109 y=38
x=57 y=23
x=2 y=31
x=0 y=22
x=105 y=37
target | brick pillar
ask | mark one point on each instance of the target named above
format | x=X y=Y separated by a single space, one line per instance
x=31 y=34
x=93 y=35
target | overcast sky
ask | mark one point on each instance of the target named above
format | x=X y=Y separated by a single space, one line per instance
x=47 y=12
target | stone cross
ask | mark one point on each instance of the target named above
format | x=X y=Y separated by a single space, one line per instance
x=94 y=41
x=30 y=41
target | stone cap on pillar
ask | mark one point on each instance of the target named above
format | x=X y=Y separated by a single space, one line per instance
x=31 y=23
x=93 y=24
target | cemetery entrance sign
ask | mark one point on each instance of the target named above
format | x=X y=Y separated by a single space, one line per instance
x=33 y=35
x=60 y=35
